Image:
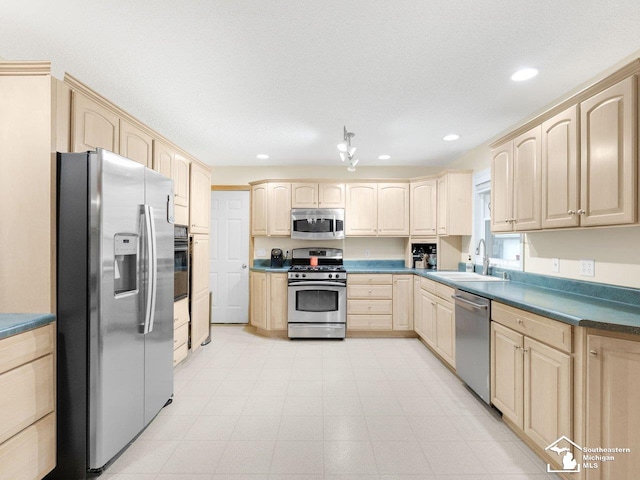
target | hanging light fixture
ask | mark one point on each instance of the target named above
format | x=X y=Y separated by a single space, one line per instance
x=346 y=151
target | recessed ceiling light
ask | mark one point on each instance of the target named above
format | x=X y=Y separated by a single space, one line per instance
x=262 y=156
x=524 y=74
x=384 y=157
x=451 y=137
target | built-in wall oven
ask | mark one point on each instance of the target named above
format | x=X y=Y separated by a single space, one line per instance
x=180 y=263
x=317 y=296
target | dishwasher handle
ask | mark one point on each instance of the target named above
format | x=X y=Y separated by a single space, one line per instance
x=458 y=298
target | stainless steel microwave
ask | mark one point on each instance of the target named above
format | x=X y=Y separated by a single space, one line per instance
x=317 y=223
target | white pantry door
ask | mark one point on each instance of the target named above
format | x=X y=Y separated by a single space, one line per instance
x=229 y=259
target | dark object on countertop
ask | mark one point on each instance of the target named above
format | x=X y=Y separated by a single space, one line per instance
x=277 y=259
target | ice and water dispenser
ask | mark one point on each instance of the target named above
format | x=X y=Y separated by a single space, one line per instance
x=425 y=255
x=125 y=265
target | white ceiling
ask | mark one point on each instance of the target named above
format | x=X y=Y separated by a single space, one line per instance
x=227 y=80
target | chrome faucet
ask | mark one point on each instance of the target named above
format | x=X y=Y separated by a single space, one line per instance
x=485 y=259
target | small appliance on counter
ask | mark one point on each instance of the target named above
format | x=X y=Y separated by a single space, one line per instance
x=424 y=255
x=277 y=258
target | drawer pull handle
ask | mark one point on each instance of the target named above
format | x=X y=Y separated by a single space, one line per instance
x=519 y=321
x=593 y=353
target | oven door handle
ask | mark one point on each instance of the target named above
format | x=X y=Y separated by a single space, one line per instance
x=317 y=284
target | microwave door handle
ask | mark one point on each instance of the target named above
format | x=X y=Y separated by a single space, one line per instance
x=335 y=226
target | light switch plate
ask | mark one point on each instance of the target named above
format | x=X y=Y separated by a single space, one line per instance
x=587 y=268
x=262 y=252
x=555 y=267
x=367 y=253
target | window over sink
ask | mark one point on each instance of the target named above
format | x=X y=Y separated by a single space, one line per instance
x=505 y=249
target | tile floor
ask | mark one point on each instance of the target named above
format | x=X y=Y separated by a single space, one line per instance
x=248 y=407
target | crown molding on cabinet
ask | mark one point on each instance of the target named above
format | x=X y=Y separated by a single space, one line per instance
x=25 y=68
x=587 y=92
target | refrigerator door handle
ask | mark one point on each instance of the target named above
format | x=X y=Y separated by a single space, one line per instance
x=151 y=269
x=154 y=268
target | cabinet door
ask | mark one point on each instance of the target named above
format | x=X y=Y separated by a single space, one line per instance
x=547 y=395
x=608 y=156
x=304 y=195
x=442 y=207
x=277 y=285
x=163 y=160
x=502 y=188
x=417 y=317
x=560 y=170
x=507 y=381
x=527 y=185
x=279 y=216
x=446 y=332
x=200 y=201
x=331 y=195
x=613 y=394
x=393 y=209
x=361 y=213
x=199 y=290
x=93 y=126
x=258 y=291
x=428 y=313
x=423 y=207
x=135 y=144
x=403 y=302
x=181 y=180
x=259 y=209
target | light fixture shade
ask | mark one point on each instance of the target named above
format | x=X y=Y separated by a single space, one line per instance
x=352 y=150
x=351 y=168
x=342 y=146
x=343 y=156
x=355 y=162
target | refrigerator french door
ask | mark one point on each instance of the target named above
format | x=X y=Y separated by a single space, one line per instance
x=115 y=305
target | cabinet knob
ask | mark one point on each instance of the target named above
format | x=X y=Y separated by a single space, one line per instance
x=581 y=211
x=519 y=321
x=517 y=347
x=524 y=350
x=593 y=353
x=571 y=212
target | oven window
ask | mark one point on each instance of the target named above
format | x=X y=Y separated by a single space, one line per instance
x=317 y=301
x=181 y=274
x=320 y=225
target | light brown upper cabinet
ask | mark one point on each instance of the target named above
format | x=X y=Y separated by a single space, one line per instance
x=135 y=144
x=393 y=209
x=279 y=209
x=93 y=126
x=361 y=213
x=608 y=135
x=200 y=200
x=259 y=205
x=173 y=165
x=423 y=207
x=560 y=170
x=377 y=209
x=317 y=195
x=516 y=184
x=454 y=209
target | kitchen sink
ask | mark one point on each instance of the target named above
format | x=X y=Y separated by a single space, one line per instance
x=467 y=277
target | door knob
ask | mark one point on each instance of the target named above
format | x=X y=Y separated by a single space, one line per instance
x=244 y=265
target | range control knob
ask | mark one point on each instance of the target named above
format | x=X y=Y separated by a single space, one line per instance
x=297 y=275
x=331 y=276
x=304 y=275
x=337 y=275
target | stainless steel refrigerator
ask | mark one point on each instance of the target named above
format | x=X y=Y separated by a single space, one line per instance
x=114 y=305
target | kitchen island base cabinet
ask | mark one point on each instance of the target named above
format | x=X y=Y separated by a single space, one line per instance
x=613 y=396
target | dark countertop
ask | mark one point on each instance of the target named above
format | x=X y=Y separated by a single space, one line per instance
x=567 y=307
x=14 y=323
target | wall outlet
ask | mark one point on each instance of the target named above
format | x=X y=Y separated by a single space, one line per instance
x=587 y=268
x=555 y=265
x=367 y=253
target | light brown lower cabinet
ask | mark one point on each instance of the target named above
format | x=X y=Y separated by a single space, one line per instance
x=180 y=330
x=269 y=307
x=27 y=404
x=531 y=382
x=612 y=399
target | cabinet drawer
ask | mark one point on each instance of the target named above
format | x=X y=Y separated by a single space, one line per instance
x=445 y=292
x=31 y=453
x=373 y=279
x=180 y=313
x=369 y=322
x=370 y=291
x=180 y=336
x=546 y=330
x=25 y=347
x=370 y=307
x=428 y=285
x=27 y=395
x=180 y=353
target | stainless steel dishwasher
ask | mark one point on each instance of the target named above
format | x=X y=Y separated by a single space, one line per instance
x=473 y=336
